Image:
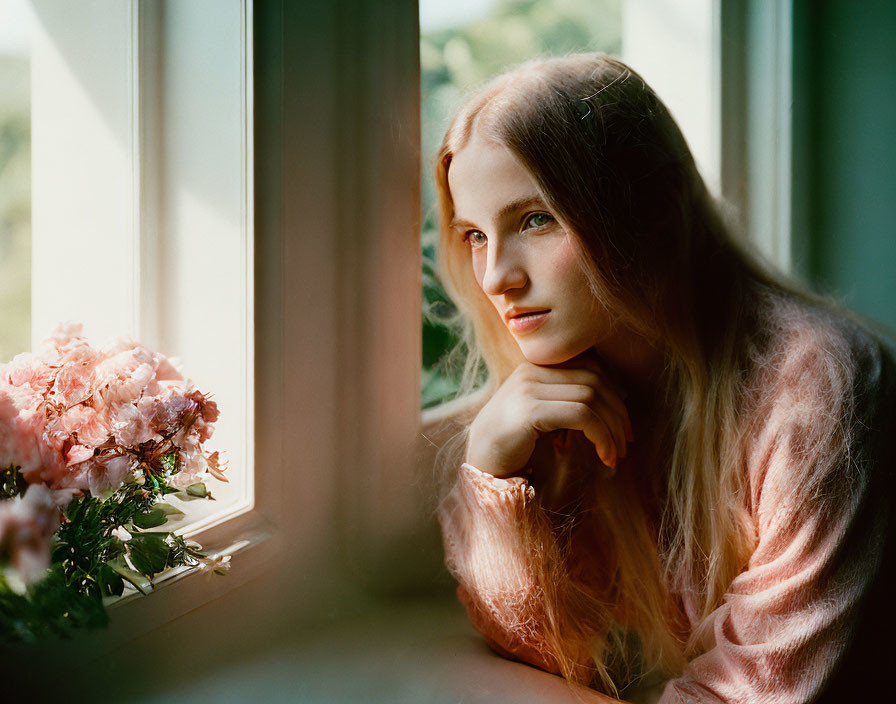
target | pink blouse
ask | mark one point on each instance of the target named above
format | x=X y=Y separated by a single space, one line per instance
x=809 y=615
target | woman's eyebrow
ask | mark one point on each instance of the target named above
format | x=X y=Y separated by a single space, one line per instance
x=506 y=210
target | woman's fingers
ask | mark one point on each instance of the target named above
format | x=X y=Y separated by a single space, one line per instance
x=591 y=362
x=593 y=377
x=548 y=416
x=591 y=397
x=535 y=400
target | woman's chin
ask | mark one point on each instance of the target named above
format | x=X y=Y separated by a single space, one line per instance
x=545 y=355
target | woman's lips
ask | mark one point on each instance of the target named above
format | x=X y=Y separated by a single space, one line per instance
x=528 y=322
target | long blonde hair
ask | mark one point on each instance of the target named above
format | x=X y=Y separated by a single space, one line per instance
x=615 y=170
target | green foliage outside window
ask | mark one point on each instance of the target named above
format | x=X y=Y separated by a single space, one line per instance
x=453 y=61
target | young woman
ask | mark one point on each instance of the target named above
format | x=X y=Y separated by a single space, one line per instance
x=682 y=473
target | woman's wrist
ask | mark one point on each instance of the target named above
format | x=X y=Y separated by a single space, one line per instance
x=494 y=470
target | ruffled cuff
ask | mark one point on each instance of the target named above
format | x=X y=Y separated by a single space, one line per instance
x=506 y=491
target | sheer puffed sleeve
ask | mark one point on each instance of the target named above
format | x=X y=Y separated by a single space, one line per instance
x=820 y=502
x=492 y=535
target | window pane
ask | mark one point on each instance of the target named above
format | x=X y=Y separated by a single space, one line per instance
x=15 y=178
x=461 y=44
x=141 y=218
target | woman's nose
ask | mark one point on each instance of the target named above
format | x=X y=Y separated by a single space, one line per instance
x=504 y=271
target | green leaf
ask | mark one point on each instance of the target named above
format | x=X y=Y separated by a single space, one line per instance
x=169 y=509
x=150 y=519
x=110 y=581
x=148 y=552
x=198 y=490
x=140 y=582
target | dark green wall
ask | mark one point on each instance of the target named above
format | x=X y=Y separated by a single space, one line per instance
x=845 y=127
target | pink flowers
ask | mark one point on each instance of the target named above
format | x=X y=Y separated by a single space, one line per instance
x=75 y=419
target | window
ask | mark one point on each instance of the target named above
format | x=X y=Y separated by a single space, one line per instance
x=142 y=221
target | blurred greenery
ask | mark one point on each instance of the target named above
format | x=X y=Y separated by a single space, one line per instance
x=453 y=61
x=15 y=206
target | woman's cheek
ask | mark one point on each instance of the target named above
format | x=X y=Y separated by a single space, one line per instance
x=479 y=264
x=565 y=264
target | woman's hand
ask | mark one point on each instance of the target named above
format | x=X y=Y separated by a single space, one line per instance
x=534 y=400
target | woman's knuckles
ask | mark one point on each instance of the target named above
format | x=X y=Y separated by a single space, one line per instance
x=504 y=434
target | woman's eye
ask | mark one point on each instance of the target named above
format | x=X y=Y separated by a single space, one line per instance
x=475 y=238
x=537 y=220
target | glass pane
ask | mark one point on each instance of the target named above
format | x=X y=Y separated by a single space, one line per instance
x=15 y=178
x=461 y=44
x=102 y=223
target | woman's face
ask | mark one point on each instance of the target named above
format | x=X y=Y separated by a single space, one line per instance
x=522 y=257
